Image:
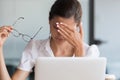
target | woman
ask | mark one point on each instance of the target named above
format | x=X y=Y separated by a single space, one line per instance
x=65 y=40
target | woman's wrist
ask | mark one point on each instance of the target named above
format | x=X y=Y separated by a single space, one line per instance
x=1 y=46
x=79 y=51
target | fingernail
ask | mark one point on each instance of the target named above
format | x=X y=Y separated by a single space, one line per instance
x=58 y=30
x=57 y=23
x=61 y=23
x=81 y=23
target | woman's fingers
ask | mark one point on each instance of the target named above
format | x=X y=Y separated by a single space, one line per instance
x=6 y=28
x=4 y=31
x=69 y=33
x=66 y=36
x=62 y=31
x=68 y=28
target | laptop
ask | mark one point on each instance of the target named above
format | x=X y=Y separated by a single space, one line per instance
x=70 y=68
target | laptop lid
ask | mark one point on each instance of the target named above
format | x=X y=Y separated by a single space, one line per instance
x=67 y=68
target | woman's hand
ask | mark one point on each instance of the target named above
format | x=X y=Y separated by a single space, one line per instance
x=4 y=32
x=74 y=37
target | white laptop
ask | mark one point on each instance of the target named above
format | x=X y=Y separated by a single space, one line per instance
x=70 y=68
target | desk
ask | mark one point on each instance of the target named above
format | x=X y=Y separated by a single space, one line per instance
x=110 y=77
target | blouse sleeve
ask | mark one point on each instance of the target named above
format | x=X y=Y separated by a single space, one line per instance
x=27 y=62
x=92 y=51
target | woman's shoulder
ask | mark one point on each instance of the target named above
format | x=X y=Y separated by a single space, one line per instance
x=91 y=50
x=86 y=46
x=36 y=43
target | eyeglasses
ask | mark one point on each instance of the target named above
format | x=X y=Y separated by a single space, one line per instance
x=25 y=37
x=20 y=18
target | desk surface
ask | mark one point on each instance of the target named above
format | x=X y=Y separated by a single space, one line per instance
x=110 y=77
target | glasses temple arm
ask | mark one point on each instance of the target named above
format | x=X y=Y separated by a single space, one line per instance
x=37 y=32
x=14 y=23
x=17 y=20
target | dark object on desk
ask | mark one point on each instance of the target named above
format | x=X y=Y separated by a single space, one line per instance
x=31 y=76
x=11 y=69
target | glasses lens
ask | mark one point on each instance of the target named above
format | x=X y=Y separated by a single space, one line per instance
x=26 y=38
x=15 y=33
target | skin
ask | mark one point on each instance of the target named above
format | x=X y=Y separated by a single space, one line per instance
x=4 y=33
x=65 y=41
x=65 y=38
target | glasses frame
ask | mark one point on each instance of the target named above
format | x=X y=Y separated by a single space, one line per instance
x=20 y=18
x=22 y=34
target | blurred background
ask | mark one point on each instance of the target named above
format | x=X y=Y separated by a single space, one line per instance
x=101 y=23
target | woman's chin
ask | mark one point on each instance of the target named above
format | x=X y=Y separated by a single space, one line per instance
x=60 y=39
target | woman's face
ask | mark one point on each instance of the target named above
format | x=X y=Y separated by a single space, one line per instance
x=54 y=30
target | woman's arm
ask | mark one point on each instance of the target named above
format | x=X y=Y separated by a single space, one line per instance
x=3 y=71
x=19 y=74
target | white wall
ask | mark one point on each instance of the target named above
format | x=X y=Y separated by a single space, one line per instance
x=107 y=28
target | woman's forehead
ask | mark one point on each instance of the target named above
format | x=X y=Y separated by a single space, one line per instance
x=68 y=21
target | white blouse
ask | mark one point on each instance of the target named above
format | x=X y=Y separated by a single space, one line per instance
x=41 y=48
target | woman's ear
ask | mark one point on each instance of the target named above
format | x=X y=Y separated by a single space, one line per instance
x=81 y=29
x=49 y=22
x=78 y=26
